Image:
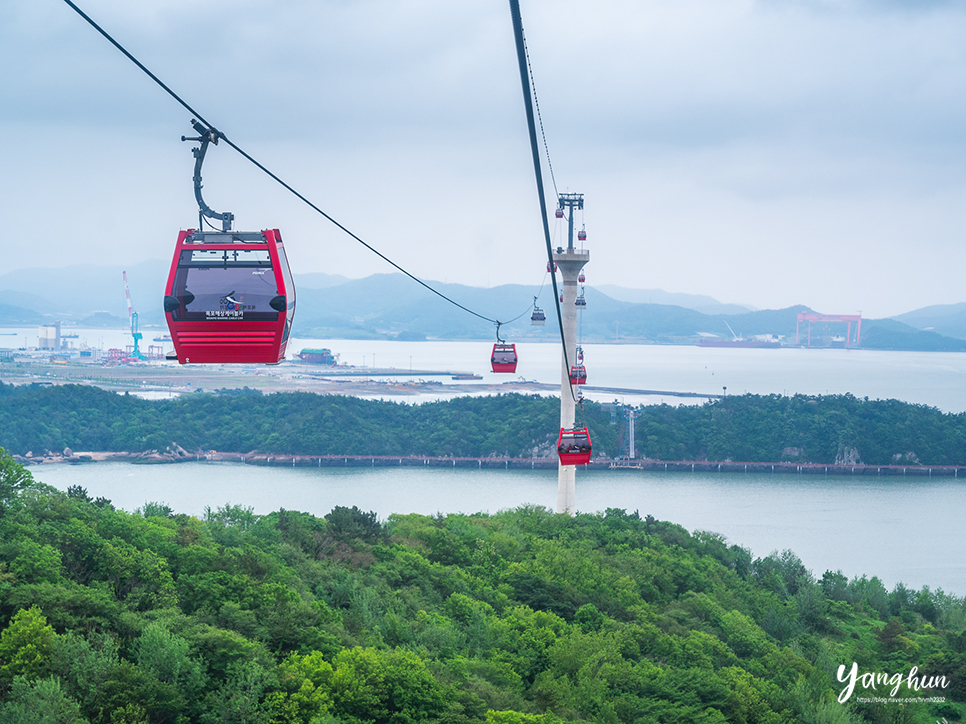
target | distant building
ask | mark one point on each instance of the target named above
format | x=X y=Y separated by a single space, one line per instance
x=319 y=357
x=48 y=336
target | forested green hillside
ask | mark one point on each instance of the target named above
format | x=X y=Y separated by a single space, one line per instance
x=84 y=418
x=803 y=428
x=748 y=428
x=523 y=617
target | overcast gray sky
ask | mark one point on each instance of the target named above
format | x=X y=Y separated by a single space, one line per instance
x=767 y=152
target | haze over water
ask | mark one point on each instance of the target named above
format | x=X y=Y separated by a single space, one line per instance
x=937 y=379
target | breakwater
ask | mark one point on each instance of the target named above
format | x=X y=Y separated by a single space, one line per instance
x=690 y=466
x=705 y=466
x=372 y=461
x=502 y=463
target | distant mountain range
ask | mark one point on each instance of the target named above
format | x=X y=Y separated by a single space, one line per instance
x=946 y=319
x=697 y=302
x=390 y=306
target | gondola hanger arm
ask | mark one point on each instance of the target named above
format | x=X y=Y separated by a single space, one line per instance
x=206 y=136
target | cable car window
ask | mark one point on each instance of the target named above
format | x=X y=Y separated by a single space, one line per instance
x=204 y=258
x=574 y=442
x=287 y=278
x=225 y=285
x=289 y=292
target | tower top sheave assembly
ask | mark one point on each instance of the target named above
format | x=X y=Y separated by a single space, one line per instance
x=571 y=202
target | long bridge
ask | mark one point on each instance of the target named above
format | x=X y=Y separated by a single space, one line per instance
x=602 y=463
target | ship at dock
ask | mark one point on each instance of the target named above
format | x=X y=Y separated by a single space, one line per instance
x=740 y=342
x=759 y=341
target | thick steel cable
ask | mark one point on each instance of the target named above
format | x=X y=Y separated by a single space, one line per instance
x=261 y=167
x=536 y=103
x=535 y=152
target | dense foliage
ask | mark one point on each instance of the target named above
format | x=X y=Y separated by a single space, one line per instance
x=85 y=418
x=752 y=428
x=826 y=429
x=523 y=617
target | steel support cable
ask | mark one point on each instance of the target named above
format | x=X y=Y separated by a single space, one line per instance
x=538 y=173
x=511 y=321
x=531 y=306
x=542 y=285
x=347 y=231
x=261 y=167
x=536 y=103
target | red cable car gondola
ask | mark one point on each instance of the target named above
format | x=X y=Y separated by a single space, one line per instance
x=504 y=357
x=581 y=278
x=573 y=446
x=578 y=375
x=229 y=297
x=581 y=235
x=554 y=268
x=558 y=213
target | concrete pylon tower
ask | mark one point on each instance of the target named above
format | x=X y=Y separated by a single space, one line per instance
x=569 y=261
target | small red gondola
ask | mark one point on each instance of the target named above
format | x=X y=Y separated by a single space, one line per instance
x=504 y=357
x=558 y=213
x=229 y=297
x=581 y=278
x=549 y=270
x=573 y=446
x=581 y=235
x=578 y=375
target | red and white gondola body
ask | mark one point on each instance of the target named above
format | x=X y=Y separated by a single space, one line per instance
x=504 y=358
x=578 y=375
x=573 y=446
x=230 y=297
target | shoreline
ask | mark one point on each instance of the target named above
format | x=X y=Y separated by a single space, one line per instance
x=640 y=465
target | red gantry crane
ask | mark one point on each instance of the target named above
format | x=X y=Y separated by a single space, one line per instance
x=834 y=318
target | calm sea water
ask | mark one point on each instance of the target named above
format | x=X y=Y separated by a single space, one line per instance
x=931 y=378
x=899 y=530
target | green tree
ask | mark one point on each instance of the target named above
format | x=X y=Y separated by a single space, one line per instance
x=25 y=646
x=240 y=700
x=14 y=478
x=305 y=690
x=84 y=664
x=40 y=702
x=378 y=687
x=166 y=656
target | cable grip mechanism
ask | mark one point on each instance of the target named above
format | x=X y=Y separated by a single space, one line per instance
x=205 y=136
